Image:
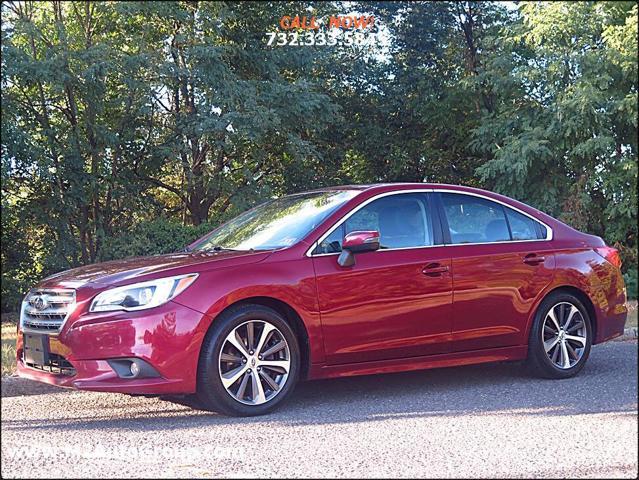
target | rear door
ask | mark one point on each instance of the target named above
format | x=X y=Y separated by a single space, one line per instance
x=395 y=302
x=500 y=262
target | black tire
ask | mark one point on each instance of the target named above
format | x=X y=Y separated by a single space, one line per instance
x=210 y=390
x=539 y=364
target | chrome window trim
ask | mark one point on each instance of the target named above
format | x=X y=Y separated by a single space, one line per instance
x=355 y=210
x=549 y=231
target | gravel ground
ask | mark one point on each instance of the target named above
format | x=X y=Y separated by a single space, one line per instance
x=479 y=421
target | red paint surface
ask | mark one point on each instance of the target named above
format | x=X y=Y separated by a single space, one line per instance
x=381 y=315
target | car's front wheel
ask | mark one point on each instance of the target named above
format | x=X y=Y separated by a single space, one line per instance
x=560 y=338
x=249 y=362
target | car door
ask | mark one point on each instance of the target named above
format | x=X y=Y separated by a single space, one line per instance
x=500 y=262
x=394 y=302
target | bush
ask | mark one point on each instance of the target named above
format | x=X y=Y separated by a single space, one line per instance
x=12 y=292
x=24 y=266
x=630 y=277
x=152 y=238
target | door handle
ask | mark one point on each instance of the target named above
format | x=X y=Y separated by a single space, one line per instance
x=533 y=259
x=434 y=269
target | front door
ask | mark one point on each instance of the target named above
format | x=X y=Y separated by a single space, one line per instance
x=395 y=302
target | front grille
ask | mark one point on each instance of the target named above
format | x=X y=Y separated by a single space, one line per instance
x=45 y=310
x=57 y=364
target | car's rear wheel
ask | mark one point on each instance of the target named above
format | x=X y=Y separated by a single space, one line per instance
x=249 y=362
x=560 y=338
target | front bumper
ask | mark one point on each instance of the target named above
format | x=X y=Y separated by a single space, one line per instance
x=168 y=338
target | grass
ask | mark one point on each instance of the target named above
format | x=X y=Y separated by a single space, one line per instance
x=9 y=336
x=632 y=314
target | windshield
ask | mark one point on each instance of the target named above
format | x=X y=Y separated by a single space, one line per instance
x=275 y=224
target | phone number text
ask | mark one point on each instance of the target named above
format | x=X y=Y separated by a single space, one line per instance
x=346 y=38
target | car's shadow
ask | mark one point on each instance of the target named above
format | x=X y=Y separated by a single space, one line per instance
x=607 y=384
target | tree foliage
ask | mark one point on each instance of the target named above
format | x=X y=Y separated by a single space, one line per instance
x=563 y=135
x=132 y=127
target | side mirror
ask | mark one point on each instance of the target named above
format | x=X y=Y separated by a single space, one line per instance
x=357 y=242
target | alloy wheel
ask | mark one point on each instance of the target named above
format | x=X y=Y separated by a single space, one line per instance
x=254 y=362
x=564 y=335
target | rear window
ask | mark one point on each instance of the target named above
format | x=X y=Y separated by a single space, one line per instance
x=478 y=220
x=474 y=220
x=521 y=226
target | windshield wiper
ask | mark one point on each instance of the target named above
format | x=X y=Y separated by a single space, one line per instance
x=220 y=248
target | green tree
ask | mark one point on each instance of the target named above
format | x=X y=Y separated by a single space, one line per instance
x=230 y=112
x=563 y=133
x=68 y=121
x=414 y=106
x=132 y=127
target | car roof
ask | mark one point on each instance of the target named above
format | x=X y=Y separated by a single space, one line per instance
x=393 y=186
x=379 y=188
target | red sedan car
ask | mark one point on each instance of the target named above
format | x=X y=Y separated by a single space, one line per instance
x=334 y=282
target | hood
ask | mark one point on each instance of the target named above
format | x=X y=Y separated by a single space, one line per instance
x=120 y=271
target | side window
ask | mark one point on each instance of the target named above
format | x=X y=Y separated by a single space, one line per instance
x=332 y=243
x=402 y=220
x=474 y=220
x=523 y=227
x=542 y=232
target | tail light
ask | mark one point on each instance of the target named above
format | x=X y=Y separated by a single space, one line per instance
x=610 y=254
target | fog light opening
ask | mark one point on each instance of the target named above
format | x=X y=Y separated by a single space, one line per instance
x=132 y=368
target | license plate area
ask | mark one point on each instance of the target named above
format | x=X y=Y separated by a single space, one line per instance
x=36 y=349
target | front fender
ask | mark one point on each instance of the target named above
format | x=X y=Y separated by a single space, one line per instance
x=291 y=281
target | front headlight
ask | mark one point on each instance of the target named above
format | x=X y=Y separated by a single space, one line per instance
x=140 y=296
